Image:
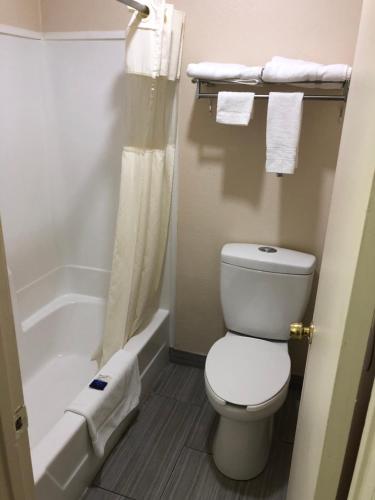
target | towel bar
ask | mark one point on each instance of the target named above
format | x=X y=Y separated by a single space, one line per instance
x=200 y=94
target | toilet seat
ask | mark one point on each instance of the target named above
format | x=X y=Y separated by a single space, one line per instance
x=245 y=371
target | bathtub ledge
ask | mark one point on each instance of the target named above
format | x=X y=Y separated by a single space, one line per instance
x=58 y=303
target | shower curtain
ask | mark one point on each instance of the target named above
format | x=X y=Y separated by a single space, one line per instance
x=153 y=58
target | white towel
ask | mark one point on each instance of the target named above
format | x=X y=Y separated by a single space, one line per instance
x=153 y=43
x=281 y=69
x=284 y=118
x=105 y=410
x=223 y=71
x=234 y=108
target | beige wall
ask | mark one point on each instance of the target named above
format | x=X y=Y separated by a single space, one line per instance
x=224 y=193
x=82 y=15
x=20 y=13
x=345 y=301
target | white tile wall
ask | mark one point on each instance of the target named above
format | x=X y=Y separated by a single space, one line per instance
x=61 y=136
x=25 y=204
x=85 y=115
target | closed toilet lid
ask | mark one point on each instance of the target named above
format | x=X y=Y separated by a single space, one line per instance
x=247 y=371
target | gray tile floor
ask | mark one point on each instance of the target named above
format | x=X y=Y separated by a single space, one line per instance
x=166 y=453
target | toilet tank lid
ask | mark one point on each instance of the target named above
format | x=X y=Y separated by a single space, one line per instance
x=268 y=258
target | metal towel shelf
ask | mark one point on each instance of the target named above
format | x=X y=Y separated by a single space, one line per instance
x=342 y=96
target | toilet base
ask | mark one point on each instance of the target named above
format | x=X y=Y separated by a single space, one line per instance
x=241 y=449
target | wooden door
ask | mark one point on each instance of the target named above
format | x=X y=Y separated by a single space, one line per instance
x=363 y=484
x=16 y=478
x=346 y=293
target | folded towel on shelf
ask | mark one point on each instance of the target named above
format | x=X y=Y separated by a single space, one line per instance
x=284 y=118
x=281 y=69
x=318 y=85
x=105 y=409
x=223 y=71
x=234 y=108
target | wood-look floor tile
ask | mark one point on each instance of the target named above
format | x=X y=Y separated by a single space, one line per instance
x=274 y=479
x=184 y=383
x=99 y=494
x=142 y=463
x=201 y=436
x=286 y=418
x=195 y=477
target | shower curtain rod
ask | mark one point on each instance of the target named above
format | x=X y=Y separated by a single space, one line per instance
x=143 y=9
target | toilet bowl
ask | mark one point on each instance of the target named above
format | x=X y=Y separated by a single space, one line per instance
x=246 y=383
x=247 y=372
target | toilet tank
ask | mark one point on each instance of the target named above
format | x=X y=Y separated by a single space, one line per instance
x=264 y=289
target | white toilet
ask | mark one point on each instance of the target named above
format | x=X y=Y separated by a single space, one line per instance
x=263 y=290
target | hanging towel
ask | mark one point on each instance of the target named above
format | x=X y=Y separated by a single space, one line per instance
x=284 y=118
x=223 y=71
x=281 y=69
x=234 y=108
x=105 y=410
x=153 y=43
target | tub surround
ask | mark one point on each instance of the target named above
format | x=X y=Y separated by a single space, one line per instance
x=58 y=216
x=64 y=211
x=71 y=121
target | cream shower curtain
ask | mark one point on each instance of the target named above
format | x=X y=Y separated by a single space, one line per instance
x=153 y=54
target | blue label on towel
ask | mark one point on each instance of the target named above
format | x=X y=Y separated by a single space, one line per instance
x=99 y=385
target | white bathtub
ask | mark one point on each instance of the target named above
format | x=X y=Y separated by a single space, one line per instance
x=60 y=326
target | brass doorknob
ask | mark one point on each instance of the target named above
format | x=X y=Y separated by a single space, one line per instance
x=299 y=331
